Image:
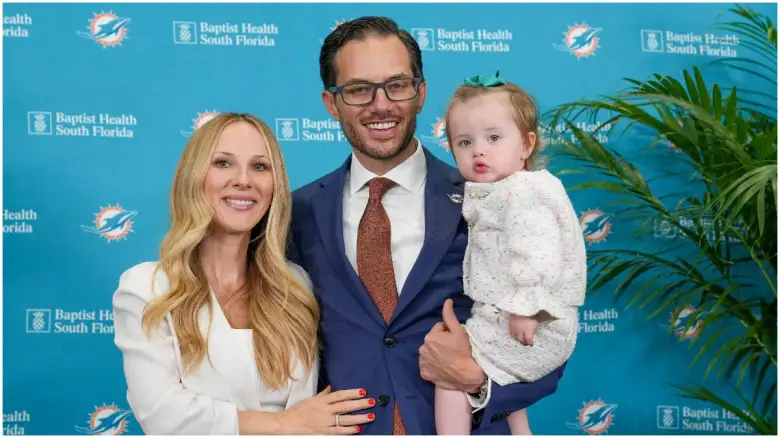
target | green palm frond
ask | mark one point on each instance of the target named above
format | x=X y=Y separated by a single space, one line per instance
x=723 y=139
x=751 y=414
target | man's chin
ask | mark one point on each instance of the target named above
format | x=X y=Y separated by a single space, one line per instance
x=383 y=152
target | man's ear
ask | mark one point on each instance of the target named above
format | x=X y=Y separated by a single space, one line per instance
x=329 y=100
x=422 y=93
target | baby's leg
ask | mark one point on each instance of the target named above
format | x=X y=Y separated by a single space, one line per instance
x=518 y=423
x=453 y=413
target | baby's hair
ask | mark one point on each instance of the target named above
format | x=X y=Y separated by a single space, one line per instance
x=525 y=111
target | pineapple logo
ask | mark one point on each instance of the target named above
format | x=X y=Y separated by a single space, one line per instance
x=580 y=40
x=112 y=223
x=39 y=123
x=185 y=32
x=106 y=420
x=106 y=29
x=199 y=121
x=668 y=417
x=38 y=321
x=595 y=417
x=652 y=41
x=288 y=129
x=425 y=38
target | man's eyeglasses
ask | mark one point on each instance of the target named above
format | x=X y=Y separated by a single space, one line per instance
x=363 y=93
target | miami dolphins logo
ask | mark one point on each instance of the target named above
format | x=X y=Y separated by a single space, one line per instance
x=439 y=132
x=580 y=40
x=595 y=226
x=106 y=420
x=199 y=121
x=338 y=23
x=595 y=417
x=112 y=223
x=685 y=317
x=107 y=29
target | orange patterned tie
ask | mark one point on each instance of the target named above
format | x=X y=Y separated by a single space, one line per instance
x=375 y=262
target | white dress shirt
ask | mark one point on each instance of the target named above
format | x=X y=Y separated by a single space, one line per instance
x=404 y=204
x=163 y=399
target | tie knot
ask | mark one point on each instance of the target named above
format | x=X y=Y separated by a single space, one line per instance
x=377 y=187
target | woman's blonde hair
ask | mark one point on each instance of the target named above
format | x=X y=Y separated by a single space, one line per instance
x=283 y=314
x=525 y=112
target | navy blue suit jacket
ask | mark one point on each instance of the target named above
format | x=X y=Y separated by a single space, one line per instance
x=360 y=350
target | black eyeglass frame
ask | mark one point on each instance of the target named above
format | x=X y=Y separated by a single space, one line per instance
x=374 y=87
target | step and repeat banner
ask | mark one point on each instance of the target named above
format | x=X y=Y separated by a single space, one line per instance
x=99 y=100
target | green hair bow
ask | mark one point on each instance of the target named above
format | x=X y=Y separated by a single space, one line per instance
x=487 y=82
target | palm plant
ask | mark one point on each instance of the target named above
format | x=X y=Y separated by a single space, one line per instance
x=726 y=142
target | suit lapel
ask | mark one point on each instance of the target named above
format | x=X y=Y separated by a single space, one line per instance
x=442 y=216
x=328 y=215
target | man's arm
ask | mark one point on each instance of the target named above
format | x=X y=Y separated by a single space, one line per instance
x=446 y=360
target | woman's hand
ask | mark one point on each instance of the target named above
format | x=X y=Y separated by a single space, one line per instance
x=317 y=415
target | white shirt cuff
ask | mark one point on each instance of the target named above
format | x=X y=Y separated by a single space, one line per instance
x=479 y=404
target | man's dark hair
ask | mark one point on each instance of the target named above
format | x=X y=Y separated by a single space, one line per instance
x=358 y=29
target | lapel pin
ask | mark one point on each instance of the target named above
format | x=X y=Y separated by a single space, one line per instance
x=456 y=198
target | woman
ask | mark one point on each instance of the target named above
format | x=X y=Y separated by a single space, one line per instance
x=220 y=335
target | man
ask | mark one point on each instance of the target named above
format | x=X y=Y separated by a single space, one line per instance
x=383 y=240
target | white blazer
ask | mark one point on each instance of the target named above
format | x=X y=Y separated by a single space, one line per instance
x=207 y=401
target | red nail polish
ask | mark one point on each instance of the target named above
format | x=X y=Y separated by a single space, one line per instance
x=357 y=428
x=362 y=392
x=371 y=416
x=371 y=402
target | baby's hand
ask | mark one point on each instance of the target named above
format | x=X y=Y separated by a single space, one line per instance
x=523 y=328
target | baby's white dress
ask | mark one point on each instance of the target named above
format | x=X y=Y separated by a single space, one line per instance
x=525 y=254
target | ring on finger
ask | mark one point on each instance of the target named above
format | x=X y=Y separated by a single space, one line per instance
x=337 y=420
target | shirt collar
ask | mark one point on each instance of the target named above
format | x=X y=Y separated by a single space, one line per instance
x=410 y=174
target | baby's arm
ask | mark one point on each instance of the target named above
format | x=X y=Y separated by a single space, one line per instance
x=523 y=328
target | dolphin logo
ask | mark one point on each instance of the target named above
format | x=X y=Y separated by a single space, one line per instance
x=105 y=425
x=584 y=40
x=114 y=223
x=599 y=416
x=683 y=321
x=580 y=40
x=595 y=418
x=596 y=226
x=109 y=29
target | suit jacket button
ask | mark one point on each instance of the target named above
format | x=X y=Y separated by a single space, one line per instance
x=389 y=341
x=383 y=399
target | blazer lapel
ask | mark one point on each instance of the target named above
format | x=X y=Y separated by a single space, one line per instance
x=443 y=203
x=328 y=215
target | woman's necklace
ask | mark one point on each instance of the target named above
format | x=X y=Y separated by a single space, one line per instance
x=226 y=301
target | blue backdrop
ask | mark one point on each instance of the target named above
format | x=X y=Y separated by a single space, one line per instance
x=99 y=101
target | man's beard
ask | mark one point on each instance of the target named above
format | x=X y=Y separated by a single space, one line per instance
x=354 y=139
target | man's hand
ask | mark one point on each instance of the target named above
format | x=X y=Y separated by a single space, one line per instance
x=445 y=357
